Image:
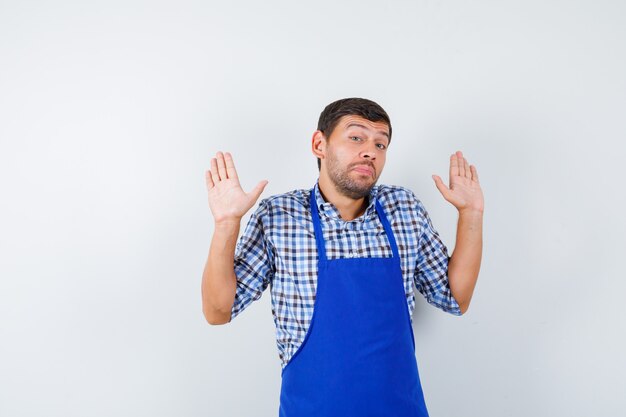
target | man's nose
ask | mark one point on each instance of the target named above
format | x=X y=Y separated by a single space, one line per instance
x=369 y=152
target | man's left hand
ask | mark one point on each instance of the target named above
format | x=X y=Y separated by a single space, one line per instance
x=464 y=193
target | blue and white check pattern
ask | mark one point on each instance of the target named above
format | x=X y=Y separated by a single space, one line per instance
x=278 y=249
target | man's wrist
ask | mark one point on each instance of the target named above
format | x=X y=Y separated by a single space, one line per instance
x=227 y=225
x=471 y=213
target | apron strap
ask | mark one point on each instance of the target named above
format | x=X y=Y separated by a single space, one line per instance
x=387 y=226
x=319 y=237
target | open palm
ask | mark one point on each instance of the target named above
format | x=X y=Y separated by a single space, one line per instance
x=464 y=192
x=227 y=200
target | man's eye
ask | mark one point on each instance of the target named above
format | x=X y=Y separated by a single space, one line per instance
x=382 y=146
x=352 y=137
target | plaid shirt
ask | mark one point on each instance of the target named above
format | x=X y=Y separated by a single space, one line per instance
x=278 y=249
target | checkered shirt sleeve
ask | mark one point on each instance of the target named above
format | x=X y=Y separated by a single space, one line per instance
x=431 y=272
x=254 y=262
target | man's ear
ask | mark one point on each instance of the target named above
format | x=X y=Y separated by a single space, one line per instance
x=318 y=144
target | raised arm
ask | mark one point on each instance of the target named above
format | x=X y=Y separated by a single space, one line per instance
x=466 y=195
x=228 y=204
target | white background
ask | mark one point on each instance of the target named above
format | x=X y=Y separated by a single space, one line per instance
x=111 y=110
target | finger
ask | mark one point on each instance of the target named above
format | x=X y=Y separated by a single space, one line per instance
x=221 y=166
x=214 y=172
x=468 y=173
x=230 y=166
x=460 y=160
x=454 y=166
x=209 y=180
x=256 y=191
x=474 y=173
x=440 y=186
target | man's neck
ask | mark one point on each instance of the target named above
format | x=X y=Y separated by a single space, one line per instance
x=349 y=208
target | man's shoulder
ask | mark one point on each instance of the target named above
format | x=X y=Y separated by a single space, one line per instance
x=298 y=196
x=398 y=200
x=389 y=193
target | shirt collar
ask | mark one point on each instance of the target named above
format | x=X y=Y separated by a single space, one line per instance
x=328 y=209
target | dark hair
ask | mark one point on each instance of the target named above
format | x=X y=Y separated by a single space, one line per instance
x=363 y=107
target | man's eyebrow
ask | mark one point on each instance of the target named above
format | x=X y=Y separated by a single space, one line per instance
x=359 y=125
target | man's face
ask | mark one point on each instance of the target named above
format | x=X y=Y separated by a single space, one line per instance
x=355 y=155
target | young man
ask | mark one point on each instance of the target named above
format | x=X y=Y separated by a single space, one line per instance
x=340 y=259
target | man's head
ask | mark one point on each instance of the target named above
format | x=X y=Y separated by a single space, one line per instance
x=352 y=132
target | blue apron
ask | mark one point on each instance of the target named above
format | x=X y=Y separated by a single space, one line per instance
x=358 y=356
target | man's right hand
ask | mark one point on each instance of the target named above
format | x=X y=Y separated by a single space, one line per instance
x=227 y=200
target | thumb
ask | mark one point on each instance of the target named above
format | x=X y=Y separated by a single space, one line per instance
x=441 y=186
x=256 y=191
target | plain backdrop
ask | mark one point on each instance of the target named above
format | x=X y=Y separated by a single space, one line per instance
x=111 y=110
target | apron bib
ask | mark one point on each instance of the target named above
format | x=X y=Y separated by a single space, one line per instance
x=358 y=356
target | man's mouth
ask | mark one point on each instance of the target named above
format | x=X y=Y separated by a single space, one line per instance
x=364 y=169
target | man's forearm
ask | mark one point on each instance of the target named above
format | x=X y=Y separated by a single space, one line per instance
x=464 y=264
x=219 y=282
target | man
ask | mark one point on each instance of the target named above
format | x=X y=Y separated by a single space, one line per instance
x=341 y=259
